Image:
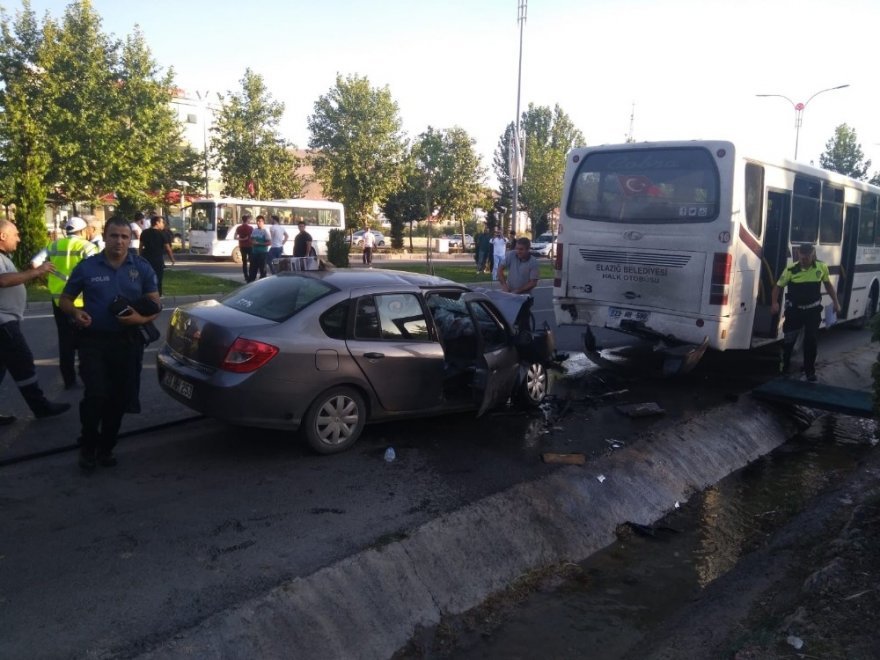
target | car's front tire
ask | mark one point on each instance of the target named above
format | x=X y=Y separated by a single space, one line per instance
x=335 y=420
x=236 y=255
x=532 y=387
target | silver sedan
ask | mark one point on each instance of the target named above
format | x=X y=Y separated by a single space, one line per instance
x=325 y=352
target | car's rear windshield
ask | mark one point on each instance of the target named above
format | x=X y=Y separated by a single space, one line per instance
x=278 y=298
x=656 y=185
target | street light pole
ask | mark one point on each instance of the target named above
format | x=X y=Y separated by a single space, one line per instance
x=515 y=144
x=799 y=111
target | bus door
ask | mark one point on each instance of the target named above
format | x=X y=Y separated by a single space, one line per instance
x=774 y=259
x=848 y=258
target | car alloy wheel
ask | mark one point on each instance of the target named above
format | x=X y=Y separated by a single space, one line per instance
x=533 y=387
x=335 y=420
x=236 y=255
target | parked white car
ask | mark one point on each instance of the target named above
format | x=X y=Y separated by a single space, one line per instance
x=455 y=241
x=544 y=246
x=357 y=239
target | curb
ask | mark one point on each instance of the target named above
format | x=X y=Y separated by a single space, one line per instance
x=371 y=604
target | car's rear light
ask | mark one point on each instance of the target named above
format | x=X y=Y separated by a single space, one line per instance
x=247 y=355
x=557 y=264
x=720 y=289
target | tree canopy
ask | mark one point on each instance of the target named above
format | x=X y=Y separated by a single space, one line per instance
x=83 y=113
x=549 y=136
x=844 y=154
x=253 y=159
x=407 y=204
x=357 y=144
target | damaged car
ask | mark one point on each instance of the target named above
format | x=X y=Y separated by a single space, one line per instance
x=325 y=352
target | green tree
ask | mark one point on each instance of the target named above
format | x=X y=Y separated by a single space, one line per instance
x=358 y=144
x=450 y=172
x=253 y=159
x=875 y=179
x=501 y=166
x=844 y=154
x=550 y=135
x=146 y=125
x=81 y=93
x=407 y=204
x=25 y=159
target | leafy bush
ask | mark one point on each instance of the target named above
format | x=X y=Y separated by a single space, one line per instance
x=337 y=248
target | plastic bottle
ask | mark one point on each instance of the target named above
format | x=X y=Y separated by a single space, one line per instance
x=390 y=455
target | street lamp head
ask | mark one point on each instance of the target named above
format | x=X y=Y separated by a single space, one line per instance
x=182 y=184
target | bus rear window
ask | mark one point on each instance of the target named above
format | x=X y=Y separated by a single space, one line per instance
x=646 y=185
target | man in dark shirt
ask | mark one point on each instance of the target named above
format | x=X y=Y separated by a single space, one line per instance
x=302 y=244
x=155 y=245
x=245 y=244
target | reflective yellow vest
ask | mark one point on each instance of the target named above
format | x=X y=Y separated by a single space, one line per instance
x=65 y=254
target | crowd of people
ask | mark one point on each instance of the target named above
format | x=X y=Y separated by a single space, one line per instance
x=105 y=290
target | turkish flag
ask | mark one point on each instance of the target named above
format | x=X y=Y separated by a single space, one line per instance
x=251 y=187
x=635 y=184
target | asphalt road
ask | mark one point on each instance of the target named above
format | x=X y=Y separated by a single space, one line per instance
x=203 y=516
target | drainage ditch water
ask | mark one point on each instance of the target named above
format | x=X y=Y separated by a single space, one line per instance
x=604 y=606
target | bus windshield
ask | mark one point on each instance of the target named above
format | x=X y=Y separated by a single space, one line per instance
x=665 y=185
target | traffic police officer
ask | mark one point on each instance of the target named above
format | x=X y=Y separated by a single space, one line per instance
x=65 y=254
x=111 y=349
x=803 y=306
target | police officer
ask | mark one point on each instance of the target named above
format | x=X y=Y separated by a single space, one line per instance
x=64 y=254
x=803 y=306
x=15 y=354
x=111 y=350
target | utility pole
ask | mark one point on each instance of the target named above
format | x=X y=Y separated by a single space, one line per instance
x=630 y=137
x=515 y=145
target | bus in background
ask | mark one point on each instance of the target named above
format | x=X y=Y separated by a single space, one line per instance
x=680 y=243
x=213 y=222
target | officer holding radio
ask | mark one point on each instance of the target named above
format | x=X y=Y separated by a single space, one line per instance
x=803 y=306
x=121 y=297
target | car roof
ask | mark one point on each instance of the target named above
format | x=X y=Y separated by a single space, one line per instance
x=346 y=278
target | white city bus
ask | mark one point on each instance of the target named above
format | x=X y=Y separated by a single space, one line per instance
x=681 y=242
x=213 y=222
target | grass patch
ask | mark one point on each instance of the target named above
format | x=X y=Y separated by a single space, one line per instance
x=177 y=282
x=182 y=282
x=459 y=272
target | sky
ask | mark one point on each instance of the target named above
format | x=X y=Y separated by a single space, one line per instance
x=682 y=69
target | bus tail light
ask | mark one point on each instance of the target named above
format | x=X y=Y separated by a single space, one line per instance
x=557 y=264
x=719 y=291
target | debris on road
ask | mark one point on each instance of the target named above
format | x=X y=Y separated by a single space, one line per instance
x=641 y=409
x=567 y=459
x=390 y=455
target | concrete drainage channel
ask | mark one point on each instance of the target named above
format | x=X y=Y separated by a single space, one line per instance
x=369 y=605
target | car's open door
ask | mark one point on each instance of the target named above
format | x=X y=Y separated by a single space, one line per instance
x=497 y=361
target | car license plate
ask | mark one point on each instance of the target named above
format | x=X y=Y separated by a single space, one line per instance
x=618 y=314
x=177 y=384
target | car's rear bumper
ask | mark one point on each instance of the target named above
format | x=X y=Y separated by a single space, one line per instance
x=226 y=396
